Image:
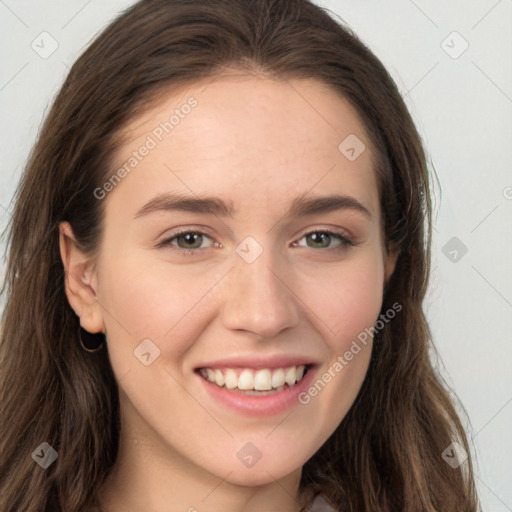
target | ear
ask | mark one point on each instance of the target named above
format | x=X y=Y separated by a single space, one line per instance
x=80 y=281
x=390 y=258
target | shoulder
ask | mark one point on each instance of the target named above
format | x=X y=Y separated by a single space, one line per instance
x=320 y=504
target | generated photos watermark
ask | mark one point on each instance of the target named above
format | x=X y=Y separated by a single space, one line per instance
x=152 y=140
x=343 y=360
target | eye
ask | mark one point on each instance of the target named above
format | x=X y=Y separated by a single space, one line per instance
x=322 y=239
x=186 y=241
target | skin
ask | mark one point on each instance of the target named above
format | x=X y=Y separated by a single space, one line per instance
x=259 y=143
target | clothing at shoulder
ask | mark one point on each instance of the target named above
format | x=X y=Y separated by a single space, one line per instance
x=320 y=504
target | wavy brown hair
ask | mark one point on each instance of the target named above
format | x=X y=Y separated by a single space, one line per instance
x=386 y=453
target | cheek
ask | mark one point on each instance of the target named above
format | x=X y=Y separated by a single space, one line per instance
x=145 y=298
x=347 y=308
x=346 y=299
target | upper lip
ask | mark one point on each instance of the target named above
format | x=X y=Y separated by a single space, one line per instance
x=259 y=361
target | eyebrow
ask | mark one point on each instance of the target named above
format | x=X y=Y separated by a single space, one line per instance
x=302 y=206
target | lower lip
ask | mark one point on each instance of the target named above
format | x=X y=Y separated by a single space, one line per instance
x=260 y=405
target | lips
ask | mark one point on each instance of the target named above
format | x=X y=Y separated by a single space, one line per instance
x=254 y=373
x=259 y=375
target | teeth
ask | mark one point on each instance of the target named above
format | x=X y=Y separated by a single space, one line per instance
x=278 y=378
x=246 y=380
x=250 y=380
x=262 y=380
x=219 y=378
x=291 y=376
x=231 y=380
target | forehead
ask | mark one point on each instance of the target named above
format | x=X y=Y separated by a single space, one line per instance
x=303 y=108
x=259 y=137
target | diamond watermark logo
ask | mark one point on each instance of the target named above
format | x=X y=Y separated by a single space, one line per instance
x=454 y=45
x=352 y=147
x=454 y=455
x=249 y=250
x=146 y=352
x=249 y=454
x=454 y=249
x=44 y=45
x=44 y=455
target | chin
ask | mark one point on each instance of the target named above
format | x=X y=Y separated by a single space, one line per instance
x=262 y=472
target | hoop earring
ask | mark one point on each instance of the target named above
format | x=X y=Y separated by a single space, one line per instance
x=89 y=341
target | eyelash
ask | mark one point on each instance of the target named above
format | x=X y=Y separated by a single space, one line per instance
x=345 y=241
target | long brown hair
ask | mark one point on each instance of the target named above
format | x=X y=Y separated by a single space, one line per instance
x=386 y=455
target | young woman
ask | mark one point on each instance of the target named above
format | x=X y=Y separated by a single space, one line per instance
x=218 y=257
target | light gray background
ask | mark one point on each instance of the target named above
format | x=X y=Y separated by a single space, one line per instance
x=462 y=107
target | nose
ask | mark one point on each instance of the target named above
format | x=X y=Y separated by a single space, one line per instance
x=259 y=299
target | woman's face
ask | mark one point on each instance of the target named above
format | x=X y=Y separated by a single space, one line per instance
x=254 y=166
